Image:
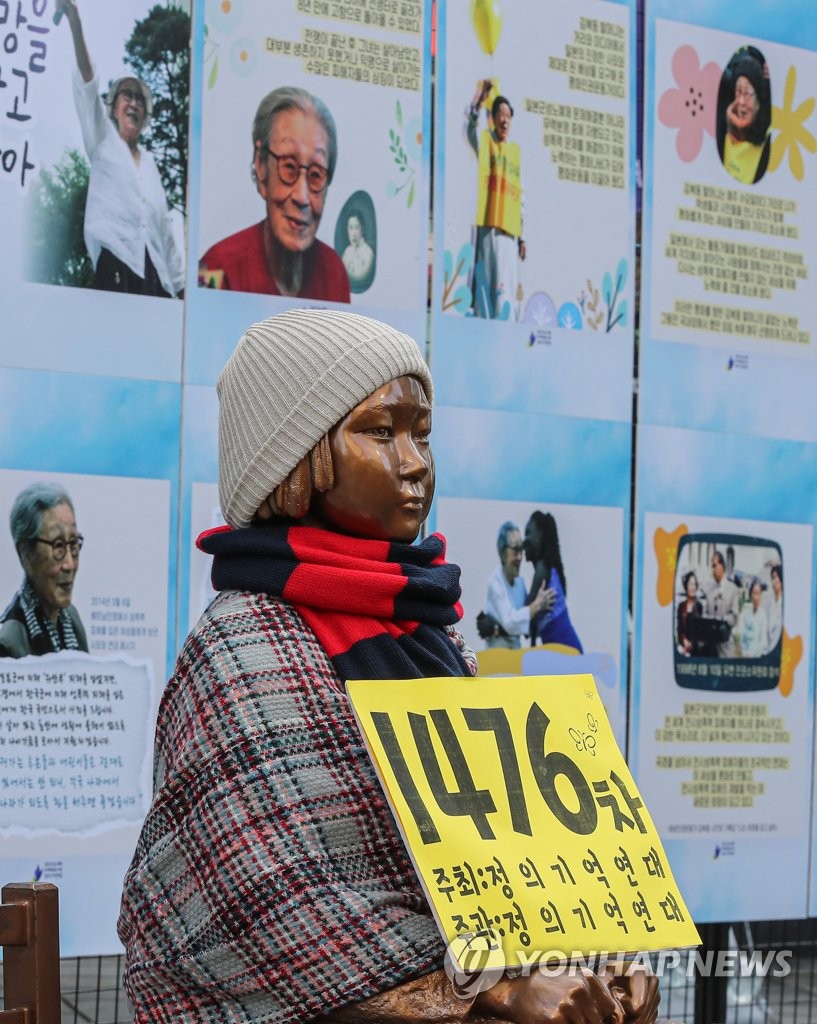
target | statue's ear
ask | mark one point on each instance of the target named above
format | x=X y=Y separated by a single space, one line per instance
x=292 y=497
x=322 y=470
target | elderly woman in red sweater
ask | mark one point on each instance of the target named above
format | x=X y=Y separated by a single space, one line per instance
x=270 y=882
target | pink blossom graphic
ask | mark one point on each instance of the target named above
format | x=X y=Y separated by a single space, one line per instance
x=691 y=107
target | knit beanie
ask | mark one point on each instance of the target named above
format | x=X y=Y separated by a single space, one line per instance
x=290 y=380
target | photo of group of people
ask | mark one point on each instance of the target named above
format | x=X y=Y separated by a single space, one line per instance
x=729 y=605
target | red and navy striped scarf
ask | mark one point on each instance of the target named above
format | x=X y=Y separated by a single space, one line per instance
x=379 y=609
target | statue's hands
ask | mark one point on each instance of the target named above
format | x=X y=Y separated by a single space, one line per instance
x=541 y=998
x=637 y=992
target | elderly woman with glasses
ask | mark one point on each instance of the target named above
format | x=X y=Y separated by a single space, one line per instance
x=295 y=150
x=128 y=231
x=41 y=618
x=508 y=614
x=744 y=116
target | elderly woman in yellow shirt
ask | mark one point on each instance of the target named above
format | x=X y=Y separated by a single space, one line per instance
x=744 y=116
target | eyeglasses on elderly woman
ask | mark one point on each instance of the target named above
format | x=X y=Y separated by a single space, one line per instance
x=60 y=547
x=132 y=96
x=289 y=170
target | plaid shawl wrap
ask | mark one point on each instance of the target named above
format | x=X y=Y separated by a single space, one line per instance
x=269 y=883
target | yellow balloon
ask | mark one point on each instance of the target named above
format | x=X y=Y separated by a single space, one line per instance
x=486 y=17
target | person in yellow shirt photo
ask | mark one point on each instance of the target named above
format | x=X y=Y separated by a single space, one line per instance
x=499 y=243
x=745 y=116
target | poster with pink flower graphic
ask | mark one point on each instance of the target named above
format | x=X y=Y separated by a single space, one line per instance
x=730 y=202
x=310 y=148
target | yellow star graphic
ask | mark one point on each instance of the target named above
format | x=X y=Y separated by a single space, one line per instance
x=666 y=553
x=789 y=124
x=790 y=657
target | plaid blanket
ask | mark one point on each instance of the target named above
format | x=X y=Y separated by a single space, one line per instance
x=269 y=883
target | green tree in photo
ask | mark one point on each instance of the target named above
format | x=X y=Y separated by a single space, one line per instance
x=158 y=51
x=57 y=210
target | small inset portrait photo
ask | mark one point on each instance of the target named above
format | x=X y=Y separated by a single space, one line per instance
x=41 y=617
x=744 y=116
x=356 y=240
x=728 y=621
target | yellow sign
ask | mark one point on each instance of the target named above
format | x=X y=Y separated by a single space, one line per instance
x=524 y=823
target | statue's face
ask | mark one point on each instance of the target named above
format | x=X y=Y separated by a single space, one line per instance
x=384 y=469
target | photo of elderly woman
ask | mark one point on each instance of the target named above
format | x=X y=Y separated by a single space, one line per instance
x=689 y=608
x=744 y=116
x=41 y=618
x=295 y=150
x=111 y=218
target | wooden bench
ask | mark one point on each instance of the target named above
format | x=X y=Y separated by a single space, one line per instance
x=29 y=935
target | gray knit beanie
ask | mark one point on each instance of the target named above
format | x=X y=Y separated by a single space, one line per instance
x=289 y=381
